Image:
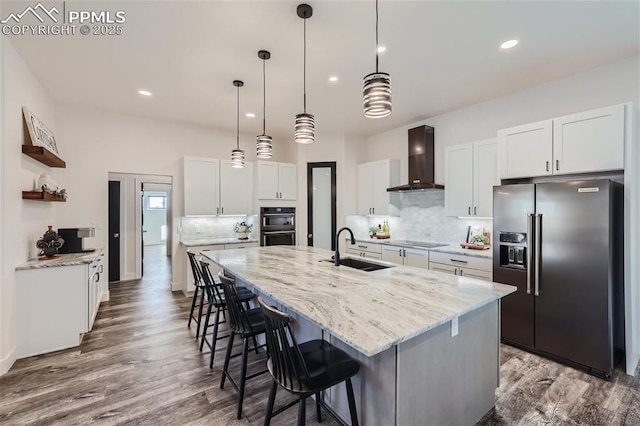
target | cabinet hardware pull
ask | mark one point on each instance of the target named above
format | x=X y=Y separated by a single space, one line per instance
x=469 y=213
x=400 y=252
x=362 y=247
x=404 y=253
x=455 y=271
x=547 y=166
x=475 y=211
x=459 y=261
x=222 y=210
x=558 y=165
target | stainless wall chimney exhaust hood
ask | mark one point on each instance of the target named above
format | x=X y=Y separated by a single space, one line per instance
x=421 y=162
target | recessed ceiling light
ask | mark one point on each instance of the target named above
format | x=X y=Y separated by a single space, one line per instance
x=250 y=115
x=333 y=79
x=509 y=44
x=144 y=92
x=381 y=49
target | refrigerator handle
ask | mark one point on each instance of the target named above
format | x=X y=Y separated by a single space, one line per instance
x=530 y=249
x=538 y=240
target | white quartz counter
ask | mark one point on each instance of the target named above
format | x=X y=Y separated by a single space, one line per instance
x=452 y=248
x=61 y=260
x=370 y=311
x=215 y=241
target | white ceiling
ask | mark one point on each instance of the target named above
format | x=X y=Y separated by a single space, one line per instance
x=442 y=55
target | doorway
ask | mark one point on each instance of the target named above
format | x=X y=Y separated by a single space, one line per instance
x=321 y=205
x=154 y=220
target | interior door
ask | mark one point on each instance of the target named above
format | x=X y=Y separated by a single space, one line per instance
x=142 y=230
x=114 y=230
x=321 y=205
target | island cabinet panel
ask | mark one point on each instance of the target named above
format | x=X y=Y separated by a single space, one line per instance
x=434 y=367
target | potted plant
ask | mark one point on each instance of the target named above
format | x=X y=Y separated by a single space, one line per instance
x=242 y=230
x=480 y=240
x=372 y=231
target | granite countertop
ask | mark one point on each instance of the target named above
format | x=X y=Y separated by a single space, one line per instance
x=63 y=260
x=452 y=248
x=370 y=311
x=213 y=241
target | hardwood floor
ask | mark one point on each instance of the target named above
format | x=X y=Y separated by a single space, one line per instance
x=141 y=365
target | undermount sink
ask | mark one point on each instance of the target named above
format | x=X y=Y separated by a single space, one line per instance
x=359 y=264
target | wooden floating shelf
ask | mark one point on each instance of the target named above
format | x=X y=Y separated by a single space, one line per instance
x=44 y=156
x=42 y=196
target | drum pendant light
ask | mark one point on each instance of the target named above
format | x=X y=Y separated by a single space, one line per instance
x=237 y=155
x=376 y=92
x=305 y=128
x=264 y=143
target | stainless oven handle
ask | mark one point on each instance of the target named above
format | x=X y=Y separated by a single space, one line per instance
x=277 y=214
x=278 y=232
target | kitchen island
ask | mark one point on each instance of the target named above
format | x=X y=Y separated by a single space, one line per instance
x=428 y=343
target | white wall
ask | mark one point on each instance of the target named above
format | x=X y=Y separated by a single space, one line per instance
x=21 y=220
x=154 y=220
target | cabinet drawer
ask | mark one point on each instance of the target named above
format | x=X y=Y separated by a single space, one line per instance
x=365 y=254
x=476 y=273
x=240 y=245
x=367 y=247
x=444 y=268
x=461 y=261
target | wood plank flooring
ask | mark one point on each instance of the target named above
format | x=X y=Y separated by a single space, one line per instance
x=141 y=366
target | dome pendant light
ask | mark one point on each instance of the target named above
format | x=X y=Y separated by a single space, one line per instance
x=376 y=92
x=305 y=128
x=264 y=143
x=237 y=155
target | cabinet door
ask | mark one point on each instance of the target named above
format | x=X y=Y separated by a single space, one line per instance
x=589 y=141
x=417 y=258
x=200 y=186
x=476 y=273
x=458 y=181
x=525 y=151
x=236 y=189
x=267 y=180
x=485 y=176
x=380 y=178
x=392 y=254
x=288 y=181
x=374 y=256
x=365 y=185
x=446 y=269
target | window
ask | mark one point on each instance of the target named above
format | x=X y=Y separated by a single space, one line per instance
x=158 y=202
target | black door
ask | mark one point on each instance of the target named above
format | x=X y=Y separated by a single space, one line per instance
x=142 y=231
x=114 y=230
x=321 y=205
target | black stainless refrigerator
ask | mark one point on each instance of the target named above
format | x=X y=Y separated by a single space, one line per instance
x=561 y=245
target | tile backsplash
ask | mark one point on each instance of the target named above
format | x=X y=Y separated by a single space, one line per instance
x=421 y=218
x=195 y=227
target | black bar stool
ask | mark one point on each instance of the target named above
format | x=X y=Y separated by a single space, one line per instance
x=246 y=324
x=305 y=369
x=217 y=301
x=198 y=283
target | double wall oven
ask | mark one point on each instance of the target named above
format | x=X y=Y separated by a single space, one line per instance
x=277 y=226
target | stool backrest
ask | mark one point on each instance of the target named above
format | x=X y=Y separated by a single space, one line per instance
x=238 y=319
x=195 y=269
x=288 y=365
x=214 y=292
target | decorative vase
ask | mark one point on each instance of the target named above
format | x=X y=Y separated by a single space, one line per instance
x=47 y=181
x=49 y=243
x=242 y=233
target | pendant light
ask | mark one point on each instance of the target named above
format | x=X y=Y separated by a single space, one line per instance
x=305 y=129
x=376 y=92
x=237 y=155
x=264 y=143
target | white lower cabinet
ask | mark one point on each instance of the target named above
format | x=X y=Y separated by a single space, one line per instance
x=366 y=250
x=364 y=254
x=462 y=265
x=406 y=256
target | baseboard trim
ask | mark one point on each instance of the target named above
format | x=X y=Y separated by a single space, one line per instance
x=7 y=361
x=632 y=363
x=105 y=296
x=176 y=286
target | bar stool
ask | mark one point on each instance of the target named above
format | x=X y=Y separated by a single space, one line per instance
x=217 y=300
x=305 y=369
x=198 y=283
x=246 y=324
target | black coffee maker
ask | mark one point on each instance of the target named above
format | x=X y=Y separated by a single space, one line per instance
x=74 y=239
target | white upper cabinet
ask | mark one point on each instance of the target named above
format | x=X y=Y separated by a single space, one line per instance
x=373 y=180
x=213 y=187
x=525 y=151
x=471 y=171
x=589 y=141
x=201 y=187
x=277 y=181
x=236 y=188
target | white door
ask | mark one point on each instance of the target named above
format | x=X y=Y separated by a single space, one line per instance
x=267 y=180
x=288 y=181
x=485 y=176
x=458 y=181
x=445 y=269
x=236 y=188
x=417 y=258
x=525 y=151
x=365 y=185
x=589 y=141
x=200 y=186
x=381 y=179
x=392 y=254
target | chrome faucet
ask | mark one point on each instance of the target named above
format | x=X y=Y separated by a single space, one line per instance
x=336 y=256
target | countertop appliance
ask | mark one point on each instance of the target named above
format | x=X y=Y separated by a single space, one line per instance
x=74 y=239
x=561 y=244
x=277 y=226
x=421 y=161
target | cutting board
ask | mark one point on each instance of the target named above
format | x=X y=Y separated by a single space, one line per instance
x=474 y=246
